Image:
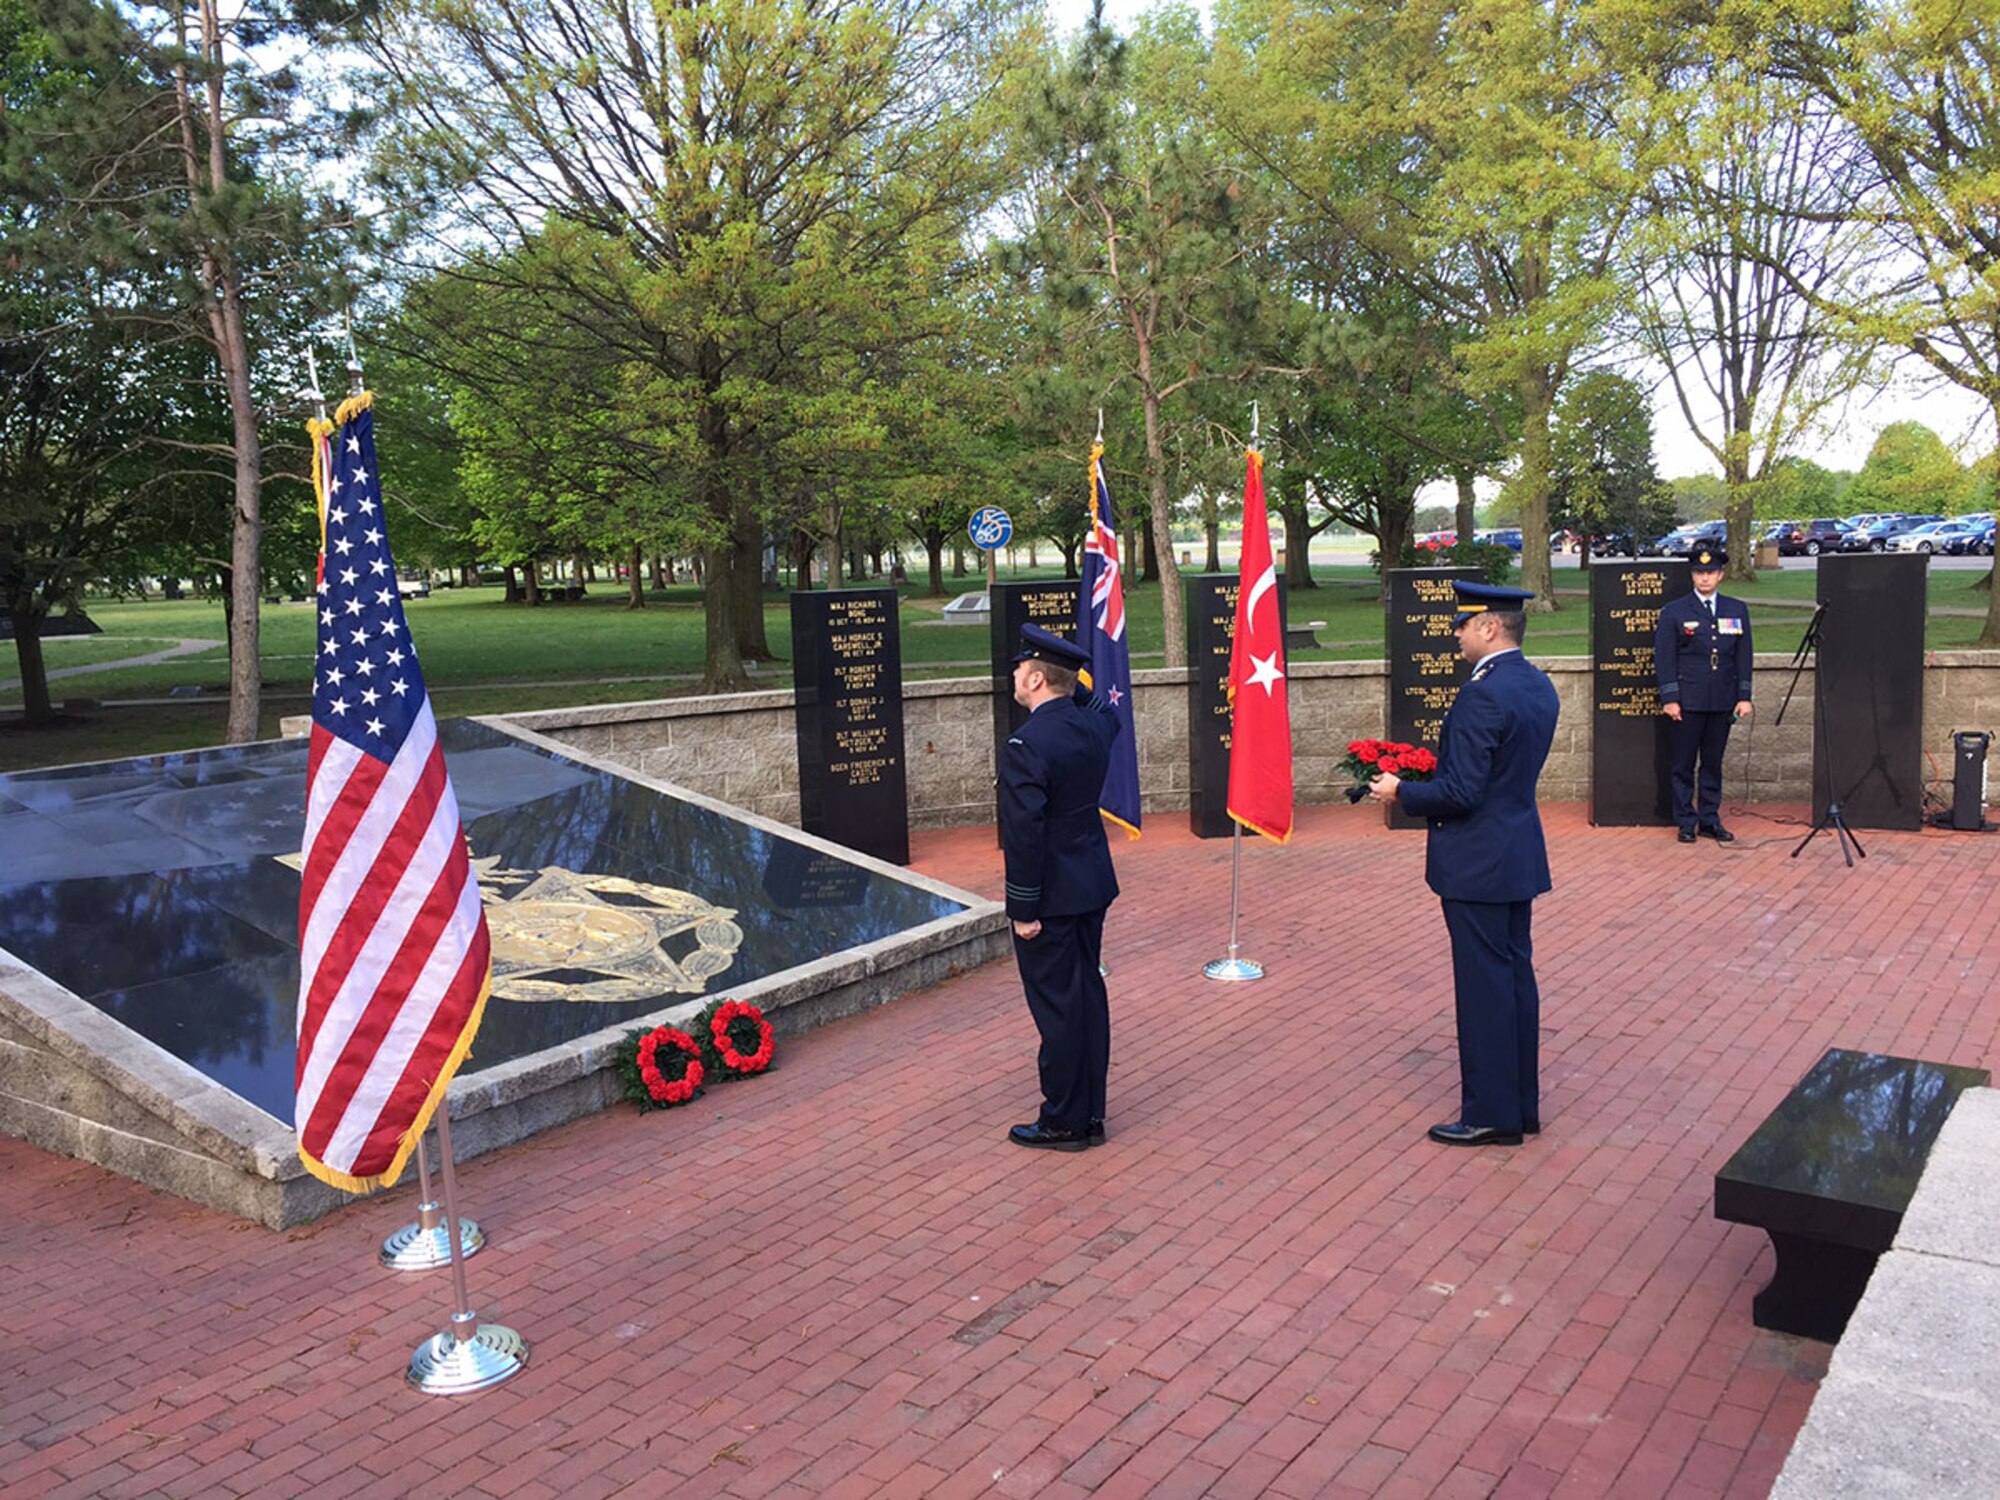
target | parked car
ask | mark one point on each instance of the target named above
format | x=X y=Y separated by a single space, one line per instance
x=413 y=586
x=1810 y=538
x=1436 y=541
x=1972 y=538
x=1929 y=538
x=1507 y=536
x=1876 y=538
x=1686 y=538
x=1869 y=518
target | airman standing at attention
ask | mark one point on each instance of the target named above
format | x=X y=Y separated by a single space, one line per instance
x=1702 y=655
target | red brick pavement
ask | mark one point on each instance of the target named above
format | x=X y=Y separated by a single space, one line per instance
x=841 y=1281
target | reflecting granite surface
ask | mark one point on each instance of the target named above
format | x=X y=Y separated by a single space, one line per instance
x=156 y=890
x=1856 y=1130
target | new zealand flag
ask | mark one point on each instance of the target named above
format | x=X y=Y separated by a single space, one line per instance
x=1100 y=627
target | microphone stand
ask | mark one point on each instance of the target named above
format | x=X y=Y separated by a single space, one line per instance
x=1832 y=817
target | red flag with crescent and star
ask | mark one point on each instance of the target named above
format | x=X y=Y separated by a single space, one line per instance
x=1260 y=719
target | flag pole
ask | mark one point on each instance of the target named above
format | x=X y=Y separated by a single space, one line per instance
x=469 y=1355
x=420 y=1246
x=1234 y=969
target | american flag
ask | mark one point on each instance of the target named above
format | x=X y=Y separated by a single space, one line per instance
x=394 y=959
x=1101 y=631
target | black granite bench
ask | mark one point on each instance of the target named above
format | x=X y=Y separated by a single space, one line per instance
x=1300 y=637
x=1828 y=1176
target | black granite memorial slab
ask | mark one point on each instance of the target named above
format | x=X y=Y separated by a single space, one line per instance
x=607 y=899
x=1211 y=626
x=1049 y=605
x=1829 y=1175
x=1631 y=760
x=1425 y=669
x=847 y=676
x=1868 y=734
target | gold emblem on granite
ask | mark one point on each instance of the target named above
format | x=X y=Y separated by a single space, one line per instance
x=603 y=938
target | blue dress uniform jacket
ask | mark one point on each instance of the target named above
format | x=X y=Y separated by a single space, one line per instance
x=1486 y=836
x=1487 y=861
x=1059 y=874
x=1051 y=776
x=1703 y=664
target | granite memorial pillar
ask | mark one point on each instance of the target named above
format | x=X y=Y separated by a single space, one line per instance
x=1631 y=756
x=1211 y=626
x=847 y=677
x=1425 y=669
x=1012 y=605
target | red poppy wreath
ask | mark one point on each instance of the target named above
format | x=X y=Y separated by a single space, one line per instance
x=742 y=1037
x=662 y=1068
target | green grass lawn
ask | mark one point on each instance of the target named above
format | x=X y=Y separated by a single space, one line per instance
x=481 y=655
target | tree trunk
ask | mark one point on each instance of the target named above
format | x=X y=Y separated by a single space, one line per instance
x=636 y=576
x=661 y=577
x=1160 y=535
x=1990 y=635
x=1291 y=503
x=934 y=551
x=722 y=664
x=1468 y=504
x=534 y=583
x=1068 y=550
x=222 y=282
x=957 y=559
x=580 y=570
x=513 y=594
x=36 y=708
x=1737 y=505
x=748 y=577
x=1213 y=562
x=1393 y=533
x=1538 y=399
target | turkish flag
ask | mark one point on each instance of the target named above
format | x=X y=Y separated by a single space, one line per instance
x=1260 y=720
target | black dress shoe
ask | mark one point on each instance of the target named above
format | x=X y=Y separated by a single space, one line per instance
x=1457 y=1133
x=1048 y=1138
x=1720 y=834
x=1530 y=1125
x=1687 y=836
x=1094 y=1132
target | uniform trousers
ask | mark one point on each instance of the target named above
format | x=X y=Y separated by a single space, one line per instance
x=1699 y=734
x=1499 y=1011
x=1066 y=996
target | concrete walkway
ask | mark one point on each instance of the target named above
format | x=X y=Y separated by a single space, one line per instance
x=180 y=647
x=840 y=1280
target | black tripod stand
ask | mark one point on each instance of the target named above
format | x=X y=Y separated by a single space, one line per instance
x=1831 y=818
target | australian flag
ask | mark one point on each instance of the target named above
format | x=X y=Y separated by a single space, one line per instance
x=1100 y=628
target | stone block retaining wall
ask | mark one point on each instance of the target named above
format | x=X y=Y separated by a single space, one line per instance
x=741 y=747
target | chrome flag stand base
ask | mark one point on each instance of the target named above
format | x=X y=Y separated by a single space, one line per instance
x=1232 y=968
x=422 y=1246
x=447 y=1365
x=469 y=1356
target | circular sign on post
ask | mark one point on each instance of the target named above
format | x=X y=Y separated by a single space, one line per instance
x=990 y=528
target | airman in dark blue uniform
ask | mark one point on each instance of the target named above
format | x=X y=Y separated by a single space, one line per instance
x=1701 y=655
x=1487 y=861
x=1059 y=882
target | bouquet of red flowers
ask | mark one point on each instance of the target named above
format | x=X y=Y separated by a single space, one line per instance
x=1367 y=759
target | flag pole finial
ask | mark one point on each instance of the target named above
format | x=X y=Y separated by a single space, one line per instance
x=1253 y=423
x=354 y=385
x=1100 y=424
x=312 y=391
